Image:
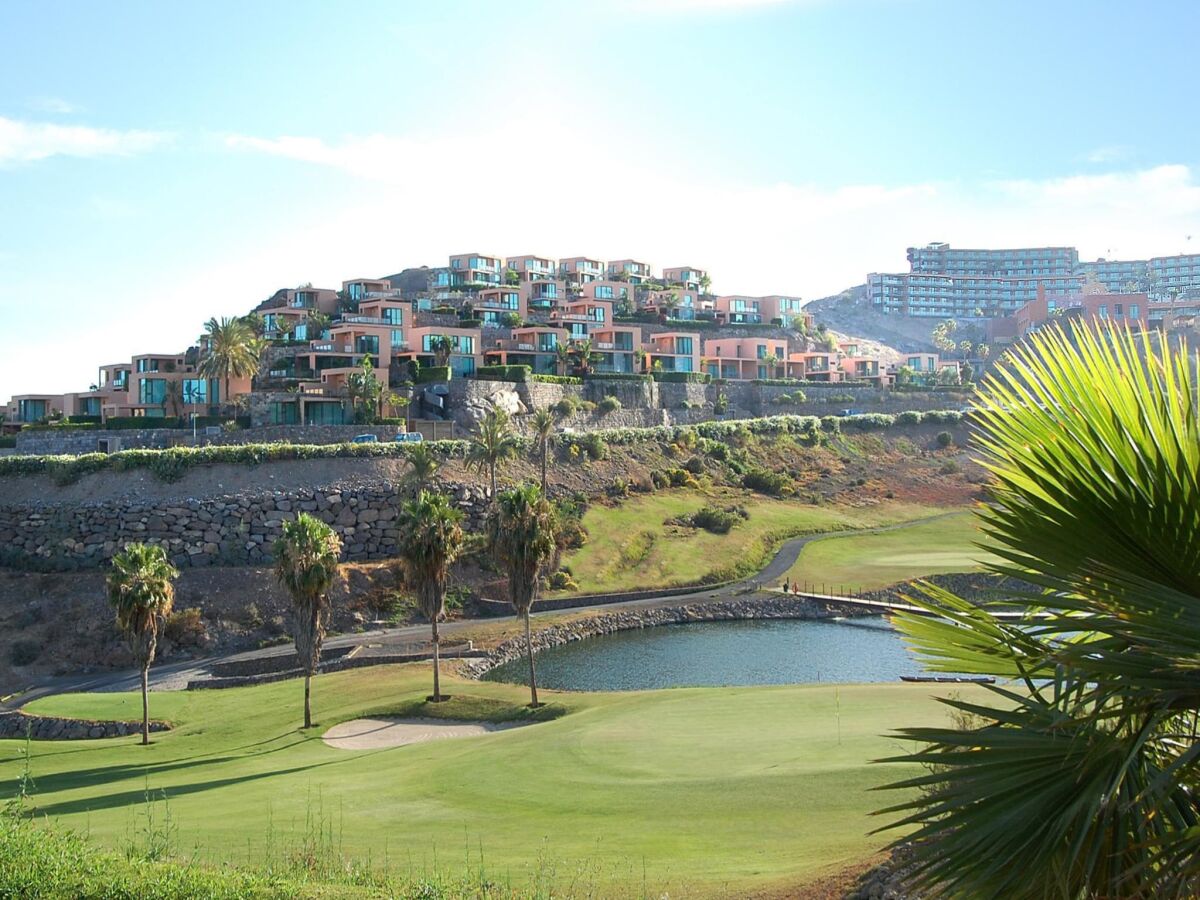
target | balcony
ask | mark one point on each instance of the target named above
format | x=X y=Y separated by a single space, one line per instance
x=368 y=320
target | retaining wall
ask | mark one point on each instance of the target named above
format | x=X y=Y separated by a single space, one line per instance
x=16 y=724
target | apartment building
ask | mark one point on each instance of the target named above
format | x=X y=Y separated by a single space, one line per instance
x=857 y=365
x=630 y=270
x=687 y=277
x=535 y=346
x=817 y=365
x=1130 y=309
x=580 y=317
x=494 y=304
x=543 y=294
x=676 y=304
x=739 y=309
x=531 y=268
x=1161 y=278
x=746 y=358
x=581 y=269
x=26 y=408
x=618 y=292
x=616 y=348
x=673 y=351
x=469 y=270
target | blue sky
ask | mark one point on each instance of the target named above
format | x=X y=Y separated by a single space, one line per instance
x=162 y=163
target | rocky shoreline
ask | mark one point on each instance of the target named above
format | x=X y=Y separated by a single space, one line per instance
x=750 y=607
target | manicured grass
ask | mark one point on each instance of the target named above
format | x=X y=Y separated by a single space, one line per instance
x=864 y=562
x=630 y=546
x=695 y=792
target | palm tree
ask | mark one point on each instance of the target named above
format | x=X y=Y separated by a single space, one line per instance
x=581 y=352
x=494 y=443
x=306 y=563
x=543 y=421
x=173 y=397
x=423 y=464
x=232 y=351
x=431 y=538
x=521 y=532
x=442 y=346
x=141 y=587
x=562 y=357
x=1080 y=779
x=705 y=283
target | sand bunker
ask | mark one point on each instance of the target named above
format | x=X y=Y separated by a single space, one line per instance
x=372 y=734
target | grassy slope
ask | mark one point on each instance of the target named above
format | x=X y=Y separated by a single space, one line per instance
x=630 y=546
x=698 y=789
x=870 y=561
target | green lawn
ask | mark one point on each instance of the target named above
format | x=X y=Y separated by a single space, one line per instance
x=865 y=562
x=630 y=547
x=696 y=792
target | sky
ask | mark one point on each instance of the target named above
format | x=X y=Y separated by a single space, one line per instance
x=162 y=163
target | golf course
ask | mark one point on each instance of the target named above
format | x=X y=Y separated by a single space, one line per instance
x=687 y=792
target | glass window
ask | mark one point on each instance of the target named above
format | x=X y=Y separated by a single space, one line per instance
x=604 y=292
x=324 y=413
x=284 y=413
x=195 y=391
x=152 y=390
x=398 y=337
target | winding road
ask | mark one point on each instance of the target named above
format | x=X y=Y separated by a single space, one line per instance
x=412 y=638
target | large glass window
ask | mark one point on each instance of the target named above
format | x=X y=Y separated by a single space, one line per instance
x=152 y=390
x=604 y=292
x=31 y=410
x=324 y=413
x=147 y=365
x=683 y=345
x=195 y=391
x=367 y=343
x=397 y=337
x=285 y=413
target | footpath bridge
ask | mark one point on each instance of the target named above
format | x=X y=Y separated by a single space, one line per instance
x=885 y=606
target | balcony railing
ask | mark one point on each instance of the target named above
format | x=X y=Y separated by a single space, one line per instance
x=369 y=320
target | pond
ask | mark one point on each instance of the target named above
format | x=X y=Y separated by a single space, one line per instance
x=763 y=651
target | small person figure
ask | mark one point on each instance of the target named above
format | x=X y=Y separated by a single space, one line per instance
x=786 y=585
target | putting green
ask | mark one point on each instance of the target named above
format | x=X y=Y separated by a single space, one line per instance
x=865 y=562
x=693 y=792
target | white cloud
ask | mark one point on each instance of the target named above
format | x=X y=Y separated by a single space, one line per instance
x=31 y=141
x=53 y=105
x=1108 y=154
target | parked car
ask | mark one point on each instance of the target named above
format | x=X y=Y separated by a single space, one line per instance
x=410 y=437
x=365 y=439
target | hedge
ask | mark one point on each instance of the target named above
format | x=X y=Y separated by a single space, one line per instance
x=504 y=373
x=170 y=465
x=82 y=420
x=682 y=377
x=616 y=376
x=556 y=379
x=8 y=441
x=428 y=374
x=781 y=382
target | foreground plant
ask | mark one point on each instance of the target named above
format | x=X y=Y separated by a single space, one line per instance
x=306 y=563
x=521 y=532
x=1082 y=783
x=493 y=443
x=141 y=587
x=431 y=538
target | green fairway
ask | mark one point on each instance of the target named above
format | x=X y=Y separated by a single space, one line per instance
x=865 y=562
x=630 y=546
x=688 y=791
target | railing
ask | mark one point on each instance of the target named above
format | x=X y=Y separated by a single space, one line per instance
x=606 y=345
x=369 y=320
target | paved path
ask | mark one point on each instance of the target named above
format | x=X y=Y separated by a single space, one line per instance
x=176 y=675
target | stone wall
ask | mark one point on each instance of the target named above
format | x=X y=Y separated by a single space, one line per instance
x=228 y=530
x=15 y=724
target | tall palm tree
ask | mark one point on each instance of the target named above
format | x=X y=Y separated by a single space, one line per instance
x=431 y=538
x=442 y=346
x=423 y=463
x=562 y=357
x=306 y=563
x=141 y=587
x=231 y=351
x=584 y=357
x=543 y=421
x=1081 y=780
x=493 y=444
x=521 y=532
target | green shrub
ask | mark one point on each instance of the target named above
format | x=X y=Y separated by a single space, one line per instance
x=717 y=520
x=562 y=581
x=950 y=467
x=566 y=407
x=695 y=465
x=556 y=379
x=185 y=627
x=721 y=404
x=682 y=377
x=831 y=424
x=616 y=376
x=908 y=417
x=428 y=374
x=8 y=441
x=942 y=417
x=608 y=404
x=503 y=373
x=944 y=439
x=767 y=482
x=593 y=445
x=839 y=398
x=782 y=382
x=869 y=421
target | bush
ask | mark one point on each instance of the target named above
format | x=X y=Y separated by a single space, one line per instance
x=682 y=377
x=777 y=382
x=721 y=404
x=428 y=374
x=593 y=445
x=716 y=520
x=503 y=373
x=942 y=417
x=185 y=627
x=767 y=482
x=870 y=421
x=831 y=424
x=556 y=379
x=616 y=376
x=562 y=581
x=908 y=417
x=695 y=465
x=950 y=467
x=608 y=404
x=944 y=439
x=8 y=441
x=839 y=398
x=511 y=320
x=24 y=652
x=566 y=407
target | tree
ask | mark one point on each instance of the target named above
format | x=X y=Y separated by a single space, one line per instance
x=943 y=336
x=543 y=422
x=521 y=533
x=512 y=277
x=306 y=563
x=173 y=397
x=966 y=373
x=771 y=361
x=493 y=444
x=905 y=375
x=423 y=465
x=442 y=346
x=583 y=356
x=431 y=538
x=705 y=283
x=141 y=588
x=965 y=348
x=365 y=391
x=562 y=357
x=1080 y=779
x=231 y=351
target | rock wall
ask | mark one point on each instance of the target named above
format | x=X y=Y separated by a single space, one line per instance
x=236 y=529
x=17 y=724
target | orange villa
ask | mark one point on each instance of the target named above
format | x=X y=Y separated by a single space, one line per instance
x=673 y=351
x=745 y=358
